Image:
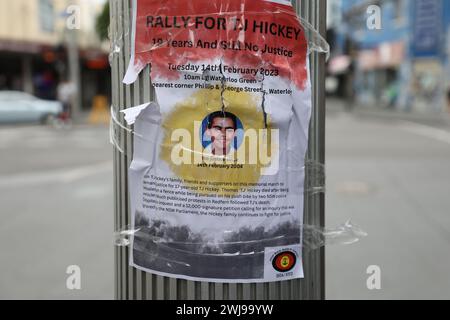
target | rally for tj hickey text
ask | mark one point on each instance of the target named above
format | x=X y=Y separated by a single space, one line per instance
x=225 y=23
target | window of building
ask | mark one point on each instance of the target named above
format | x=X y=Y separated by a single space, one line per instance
x=46 y=15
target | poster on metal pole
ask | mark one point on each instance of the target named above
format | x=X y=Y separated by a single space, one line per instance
x=217 y=176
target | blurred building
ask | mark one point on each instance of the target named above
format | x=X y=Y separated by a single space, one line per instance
x=334 y=15
x=404 y=64
x=34 y=51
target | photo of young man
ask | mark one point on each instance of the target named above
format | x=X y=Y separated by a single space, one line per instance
x=221 y=132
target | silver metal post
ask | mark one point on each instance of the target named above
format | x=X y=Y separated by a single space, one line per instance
x=134 y=284
x=74 y=71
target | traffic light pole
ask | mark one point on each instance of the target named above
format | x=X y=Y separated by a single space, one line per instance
x=131 y=283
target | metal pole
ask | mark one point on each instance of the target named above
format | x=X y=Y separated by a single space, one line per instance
x=74 y=68
x=74 y=72
x=134 y=284
x=27 y=74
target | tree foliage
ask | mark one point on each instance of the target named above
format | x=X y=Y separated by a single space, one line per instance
x=102 y=23
x=243 y=240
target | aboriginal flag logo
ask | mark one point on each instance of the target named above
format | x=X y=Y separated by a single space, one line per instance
x=284 y=261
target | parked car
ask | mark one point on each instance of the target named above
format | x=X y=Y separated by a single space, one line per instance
x=21 y=107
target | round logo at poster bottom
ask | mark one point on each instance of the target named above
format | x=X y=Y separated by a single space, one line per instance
x=284 y=261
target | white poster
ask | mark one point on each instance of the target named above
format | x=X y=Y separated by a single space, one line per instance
x=217 y=176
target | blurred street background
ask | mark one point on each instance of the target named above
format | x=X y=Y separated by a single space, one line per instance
x=390 y=176
x=56 y=184
x=56 y=211
x=388 y=148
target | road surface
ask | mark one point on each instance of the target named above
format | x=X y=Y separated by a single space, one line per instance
x=392 y=178
x=56 y=211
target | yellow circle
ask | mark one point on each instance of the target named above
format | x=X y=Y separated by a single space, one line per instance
x=285 y=261
x=202 y=179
